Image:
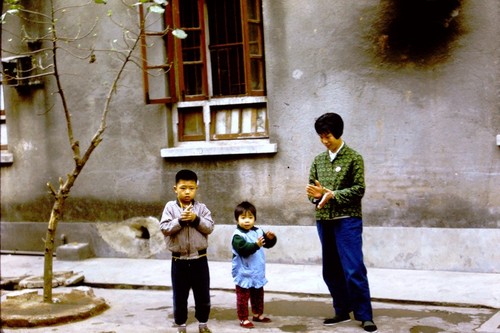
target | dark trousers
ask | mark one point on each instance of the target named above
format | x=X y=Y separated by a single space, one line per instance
x=344 y=271
x=256 y=297
x=186 y=275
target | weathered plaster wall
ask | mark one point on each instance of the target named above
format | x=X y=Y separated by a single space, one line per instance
x=444 y=249
x=426 y=128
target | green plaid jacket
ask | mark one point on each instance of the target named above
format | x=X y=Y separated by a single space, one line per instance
x=345 y=176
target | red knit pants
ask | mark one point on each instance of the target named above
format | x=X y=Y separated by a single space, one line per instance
x=256 y=297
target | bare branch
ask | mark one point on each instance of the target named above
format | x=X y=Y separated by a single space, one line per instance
x=98 y=135
x=61 y=9
x=51 y=189
x=87 y=56
x=42 y=15
x=78 y=36
x=29 y=77
x=67 y=114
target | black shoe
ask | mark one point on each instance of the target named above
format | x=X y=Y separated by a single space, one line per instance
x=336 y=320
x=369 y=326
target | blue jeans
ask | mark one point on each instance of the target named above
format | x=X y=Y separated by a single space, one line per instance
x=344 y=271
x=191 y=274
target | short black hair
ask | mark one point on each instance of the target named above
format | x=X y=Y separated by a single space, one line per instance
x=244 y=207
x=186 y=175
x=330 y=123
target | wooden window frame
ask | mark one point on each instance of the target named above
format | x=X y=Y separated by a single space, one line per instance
x=240 y=135
x=180 y=63
x=246 y=44
x=182 y=136
x=174 y=53
x=168 y=39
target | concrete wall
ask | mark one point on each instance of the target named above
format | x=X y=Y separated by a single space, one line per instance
x=466 y=250
x=424 y=118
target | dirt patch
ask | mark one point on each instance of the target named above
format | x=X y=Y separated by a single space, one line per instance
x=29 y=310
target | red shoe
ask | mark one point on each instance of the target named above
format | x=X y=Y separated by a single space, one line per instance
x=248 y=324
x=261 y=320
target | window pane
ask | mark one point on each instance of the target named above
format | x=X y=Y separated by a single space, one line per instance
x=235 y=121
x=3 y=132
x=221 y=123
x=156 y=61
x=226 y=47
x=191 y=125
x=193 y=65
x=227 y=71
x=188 y=13
x=253 y=10
x=1 y=95
x=261 y=120
x=157 y=67
x=191 y=47
x=246 y=123
x=193 y=79
x=254 y=39
x=224 y=21
x=257 y=74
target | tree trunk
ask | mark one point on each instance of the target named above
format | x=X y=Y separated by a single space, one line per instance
x=48 y=274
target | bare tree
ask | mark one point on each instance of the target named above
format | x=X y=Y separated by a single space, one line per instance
x=54 y=44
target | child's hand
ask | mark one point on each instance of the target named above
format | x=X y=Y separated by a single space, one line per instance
x=261 y=241
x=270 y=235
x=187 y=215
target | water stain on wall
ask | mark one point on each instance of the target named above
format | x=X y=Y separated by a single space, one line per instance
x=420 y=32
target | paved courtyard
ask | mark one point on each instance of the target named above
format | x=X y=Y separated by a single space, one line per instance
x=145 y=311
x=139 y=296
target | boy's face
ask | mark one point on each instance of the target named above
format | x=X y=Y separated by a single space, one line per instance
x=186 y=191
x=246 y=220
x=330 y=142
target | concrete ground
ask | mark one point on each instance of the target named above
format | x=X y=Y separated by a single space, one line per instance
x=296 y=298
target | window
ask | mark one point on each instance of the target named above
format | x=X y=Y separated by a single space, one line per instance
x=191 y=126
x=238 y=121
x=5 y=155
x=214 y=79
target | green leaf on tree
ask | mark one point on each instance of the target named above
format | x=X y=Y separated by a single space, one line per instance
x=179 y=33
x=156 y=9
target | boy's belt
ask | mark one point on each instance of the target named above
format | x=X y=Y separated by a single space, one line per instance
x=195 y=255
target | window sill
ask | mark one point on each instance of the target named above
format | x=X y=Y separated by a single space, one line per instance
x=6 y=157
x=233 y=147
